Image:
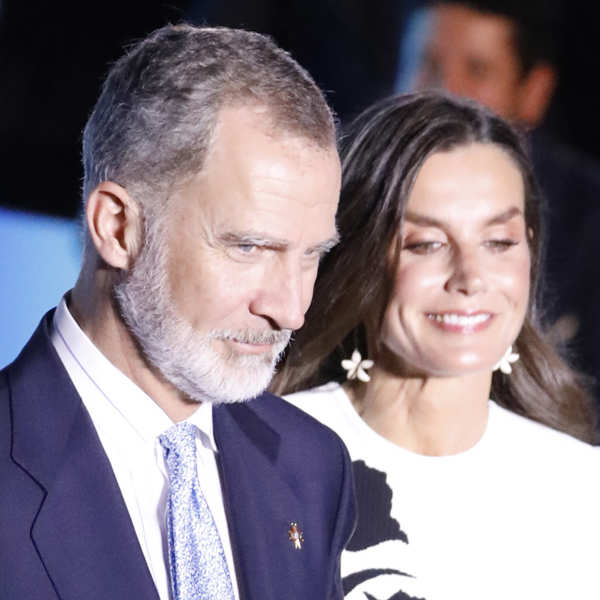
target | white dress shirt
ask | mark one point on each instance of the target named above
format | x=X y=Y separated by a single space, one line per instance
x=129 y=423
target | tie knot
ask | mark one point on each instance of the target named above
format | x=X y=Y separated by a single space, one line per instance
x=179 y=443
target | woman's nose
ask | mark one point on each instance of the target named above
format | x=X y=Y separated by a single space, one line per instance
x=467 y=274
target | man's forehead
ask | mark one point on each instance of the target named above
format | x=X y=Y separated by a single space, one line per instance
x=260 y=182
x=247 y=150
x=269 y=121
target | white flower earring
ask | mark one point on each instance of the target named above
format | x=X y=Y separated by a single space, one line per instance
x=357 y=367
x=504 y=364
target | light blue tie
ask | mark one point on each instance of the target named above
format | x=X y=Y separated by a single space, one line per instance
x=196 y=559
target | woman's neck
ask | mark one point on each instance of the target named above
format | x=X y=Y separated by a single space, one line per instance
x=434 y=416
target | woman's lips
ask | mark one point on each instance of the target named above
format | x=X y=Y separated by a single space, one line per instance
x=461 y=322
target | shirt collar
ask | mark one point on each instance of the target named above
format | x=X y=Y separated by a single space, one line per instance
x=142 y=414
x=203 y=420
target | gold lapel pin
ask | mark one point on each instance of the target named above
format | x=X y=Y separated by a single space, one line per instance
x=296 y=535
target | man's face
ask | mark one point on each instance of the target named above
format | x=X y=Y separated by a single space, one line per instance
x=472 y=54
x=236 y=259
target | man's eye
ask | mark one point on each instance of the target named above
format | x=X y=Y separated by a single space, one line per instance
x=422 y=247
x=315 y=255
x=246 y=248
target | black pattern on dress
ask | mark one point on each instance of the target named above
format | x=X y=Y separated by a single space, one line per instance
x=375 y=525
x=374 y=499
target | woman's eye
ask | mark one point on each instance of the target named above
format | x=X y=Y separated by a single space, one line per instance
x=501 y=245
x=422 y=247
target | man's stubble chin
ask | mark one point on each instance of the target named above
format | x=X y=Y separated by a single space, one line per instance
x=198 y=364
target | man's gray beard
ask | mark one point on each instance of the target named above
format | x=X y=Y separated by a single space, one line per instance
x=185 y=357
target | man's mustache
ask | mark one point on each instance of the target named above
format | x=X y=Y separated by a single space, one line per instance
x=281 y=336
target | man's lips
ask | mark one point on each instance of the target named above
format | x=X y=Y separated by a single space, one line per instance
x=250 y=347
x=255 y=342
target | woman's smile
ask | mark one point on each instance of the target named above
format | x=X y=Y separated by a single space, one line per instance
x=461 y=322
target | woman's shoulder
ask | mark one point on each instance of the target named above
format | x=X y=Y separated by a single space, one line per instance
x=330 y=389
x=324 y=402
x=537 y=440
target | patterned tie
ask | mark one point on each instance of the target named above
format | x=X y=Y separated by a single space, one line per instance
x=196 y=558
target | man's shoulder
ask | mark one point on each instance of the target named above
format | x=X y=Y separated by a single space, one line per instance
x=37 y=366
x=288 y=436
x=35 y=352
x=293 y=424
x=36 y=382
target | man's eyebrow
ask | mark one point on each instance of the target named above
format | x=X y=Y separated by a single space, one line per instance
x=327 y=245
x=426 y=221
x=254 y=238
x=257 y=238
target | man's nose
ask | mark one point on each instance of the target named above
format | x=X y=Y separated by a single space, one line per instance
x=282 y=297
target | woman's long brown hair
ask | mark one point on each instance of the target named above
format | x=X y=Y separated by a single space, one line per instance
x=382 y=151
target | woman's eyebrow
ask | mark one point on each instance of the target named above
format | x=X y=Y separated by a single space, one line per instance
x=426 y=221
x=505 y=216
x=423 y=220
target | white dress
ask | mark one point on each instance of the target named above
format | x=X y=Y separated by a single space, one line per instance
x=517 y=516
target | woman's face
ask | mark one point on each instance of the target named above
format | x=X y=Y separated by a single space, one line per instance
x=461 y=287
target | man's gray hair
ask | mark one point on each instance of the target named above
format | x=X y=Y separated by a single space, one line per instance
x=153 y=122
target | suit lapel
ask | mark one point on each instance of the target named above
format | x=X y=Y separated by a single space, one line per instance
x=82 y=530
x=260 y=502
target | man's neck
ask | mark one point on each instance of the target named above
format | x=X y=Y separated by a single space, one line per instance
x=95 y=313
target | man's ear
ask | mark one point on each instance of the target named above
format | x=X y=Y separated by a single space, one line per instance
x=115 y=224
x=536 y=92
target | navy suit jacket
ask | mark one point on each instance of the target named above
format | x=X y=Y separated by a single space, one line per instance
x=64 y=528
